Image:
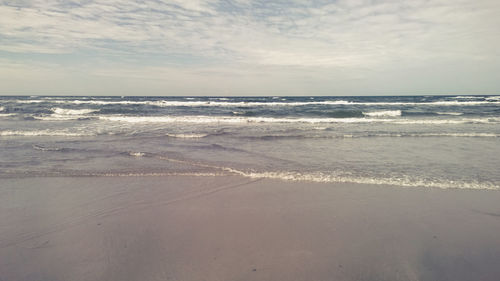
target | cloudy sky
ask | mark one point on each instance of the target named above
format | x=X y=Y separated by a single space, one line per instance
x=243 y=47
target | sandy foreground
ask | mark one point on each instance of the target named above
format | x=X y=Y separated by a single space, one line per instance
x=233 y=228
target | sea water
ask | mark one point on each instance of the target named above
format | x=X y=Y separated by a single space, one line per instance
x=411 y=141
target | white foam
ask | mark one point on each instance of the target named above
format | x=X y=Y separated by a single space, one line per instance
x=450 y=113
x=2 y=108
x=137 y=154
x=491 y=120
x=189 y=174
x=26 y=101
x=234 y=120
x=417 y=135
x=167 y=103
x=463 y=135
x=6 y=114
x=42 y=133
x=386 y=113
x=467 y=97
x=243 y=104
x=59 y=117
x=242 y=120
x=436 y=103
x=65 y=111
x=332 y=178
x=187 y=136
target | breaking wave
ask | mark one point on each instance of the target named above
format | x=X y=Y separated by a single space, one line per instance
x=136 y=154
x=332 y=178
x=450 y=113
x=209 y=103
x=374 y=135
x=240 y=119
x=65 y=111
x=47 y=133
x=230 y=119
x=187 y=136
x=386 y=113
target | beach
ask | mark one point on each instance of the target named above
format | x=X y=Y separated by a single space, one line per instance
x=249 y=188
x=209 y=140
x=237 y=228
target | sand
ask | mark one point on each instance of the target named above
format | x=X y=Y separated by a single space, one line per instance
x=233 y=228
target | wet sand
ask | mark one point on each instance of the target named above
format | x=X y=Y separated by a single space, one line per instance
x=233 y=228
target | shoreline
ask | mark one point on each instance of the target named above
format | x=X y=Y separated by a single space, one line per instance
x=236 y=228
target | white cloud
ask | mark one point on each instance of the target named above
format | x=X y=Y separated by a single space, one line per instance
x=345 y=38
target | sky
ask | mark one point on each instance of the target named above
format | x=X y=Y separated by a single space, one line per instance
x=243 y=47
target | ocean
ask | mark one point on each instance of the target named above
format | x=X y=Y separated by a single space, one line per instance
x=404 y=141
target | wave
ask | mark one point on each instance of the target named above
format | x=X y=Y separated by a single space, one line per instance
x=43 y=133
x=450 y=113
x=461 y=135
x=332 y=178
x=375 y=135
x=165 y=174
x=187 y=136
x=424 y=135
x=239 y=119
x=288 y=137
x=57 y=117
x=136 y=154
x=389 y=113
x=7 y=114
x=435 y=103
x=65 y=111
x=468 y=97
x=296 y=176
x=458 y=135
x=164 y=103
x=490 y=120
x=168 y=103
x=228 y=119
x=335 y=177
x=27 y=101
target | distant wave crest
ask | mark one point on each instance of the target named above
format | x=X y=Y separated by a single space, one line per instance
x=209 y=103
x=33 y=133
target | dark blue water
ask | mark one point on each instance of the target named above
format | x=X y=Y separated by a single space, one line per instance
x=436 y=141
